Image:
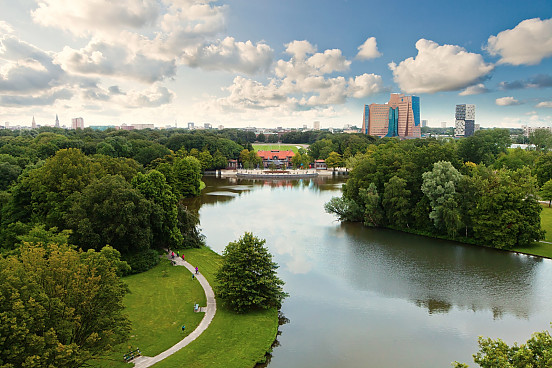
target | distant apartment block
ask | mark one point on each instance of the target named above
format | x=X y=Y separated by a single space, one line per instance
x=208 y=126
x=400 y=117
x=77 y=123
x=443 y=124
x=191 y=125
x=316 y=125
x=464 y=125
x=527 y=130
x=424 y=123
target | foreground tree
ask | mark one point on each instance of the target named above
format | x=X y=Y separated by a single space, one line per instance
x=60 y=307
x=535 y=353
x=247 y=279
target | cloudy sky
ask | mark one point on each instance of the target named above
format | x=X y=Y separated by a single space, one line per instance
x=269 y=63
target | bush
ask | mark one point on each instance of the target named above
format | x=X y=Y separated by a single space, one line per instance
x=141 y=261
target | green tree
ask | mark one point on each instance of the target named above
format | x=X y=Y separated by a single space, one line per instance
x=247 y=279
x=508 y=213
x=373 y=212
x=110 y=211
x=60 y=307
x=219 y=161
x=535 y=353
x=546 y=192
x=541 y=138
x=439 y=185
x=187 y=175
x=206 y=160
x=154 y=187
x=345 y=209
x=396 y=202
x=334 y=160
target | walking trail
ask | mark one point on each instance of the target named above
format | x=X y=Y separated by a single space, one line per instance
x=144 y=361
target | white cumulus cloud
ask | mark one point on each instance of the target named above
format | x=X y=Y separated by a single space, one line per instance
x=368 y=50
x=474 y=90
x=439 y=68
x=230 y=55
x=545 y=104
x=507 y=101
x=86 y=17
x=527 y=43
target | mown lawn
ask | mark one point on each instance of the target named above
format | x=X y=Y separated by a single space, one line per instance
x=232 y=340
x=159 y=305
x=160 y=302
x=270 y=147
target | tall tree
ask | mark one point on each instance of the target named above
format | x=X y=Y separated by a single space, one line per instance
x=60 y=307
x=396 y=202
x=110 y=211
x=541 y=138
x=439 y=185
x=247 y=278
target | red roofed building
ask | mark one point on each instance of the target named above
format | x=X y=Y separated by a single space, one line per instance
x=282 y=159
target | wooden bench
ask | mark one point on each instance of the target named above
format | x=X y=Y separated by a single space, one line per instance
x=131 y=355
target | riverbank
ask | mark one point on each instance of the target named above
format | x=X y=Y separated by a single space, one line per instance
x=232 y=340
x=162 y=300
x=291 y=173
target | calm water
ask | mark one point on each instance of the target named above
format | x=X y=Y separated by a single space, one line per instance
x=375 y=298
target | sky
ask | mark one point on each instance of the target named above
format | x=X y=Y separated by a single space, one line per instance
x=272 y=63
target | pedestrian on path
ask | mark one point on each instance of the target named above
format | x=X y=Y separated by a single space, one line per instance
x=197 y=270
x=172 y=255
x=193 y=277
x=183 y=257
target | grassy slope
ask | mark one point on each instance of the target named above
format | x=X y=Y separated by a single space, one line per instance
x=158 y=306
x=232 y=340
x=542 y=249
x=269 y=147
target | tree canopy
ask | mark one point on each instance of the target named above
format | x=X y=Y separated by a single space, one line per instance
x=247 y=279
x=60 y=307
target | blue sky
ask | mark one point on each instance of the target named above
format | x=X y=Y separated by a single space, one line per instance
x=270 y=63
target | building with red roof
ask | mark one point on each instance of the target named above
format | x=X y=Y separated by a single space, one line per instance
x=281 y=159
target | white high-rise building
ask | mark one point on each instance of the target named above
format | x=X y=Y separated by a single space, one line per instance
x=316 y=125
x=465 y=120
x=77 y=123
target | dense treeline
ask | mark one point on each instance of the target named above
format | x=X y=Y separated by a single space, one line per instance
x=474 y=190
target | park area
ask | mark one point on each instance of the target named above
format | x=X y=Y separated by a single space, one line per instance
x=162 y=300
x=279 y=147
x=543 y=248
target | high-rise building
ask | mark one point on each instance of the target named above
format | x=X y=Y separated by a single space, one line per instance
x=424 y=123
x=400 y=117
x=465 y=120
x=316 y=125
x=191 y=125
x=77 y=123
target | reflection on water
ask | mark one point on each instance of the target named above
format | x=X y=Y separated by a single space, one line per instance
x=438 y=274
x=362 y=297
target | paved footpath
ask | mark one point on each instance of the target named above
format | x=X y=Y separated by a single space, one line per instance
x=143 y=361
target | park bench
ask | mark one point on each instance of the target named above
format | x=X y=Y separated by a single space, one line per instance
x=131 y=355
x=196 y=307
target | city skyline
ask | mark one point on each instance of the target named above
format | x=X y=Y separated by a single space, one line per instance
x=270 y=63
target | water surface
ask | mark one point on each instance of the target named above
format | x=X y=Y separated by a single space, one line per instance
x=363 y=297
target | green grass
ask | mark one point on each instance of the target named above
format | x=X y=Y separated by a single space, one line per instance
x=546 y=222
x=158 y=306
x=160 y=302
x=232 y=340
x=270 y=147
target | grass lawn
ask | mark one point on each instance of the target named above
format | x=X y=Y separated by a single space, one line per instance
x=542 y=249
x=232 y=340
x=160 y=302
x=158 y=306
x=270 y=147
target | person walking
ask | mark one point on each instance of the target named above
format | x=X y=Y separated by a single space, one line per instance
x=183 y=257
x=197 y=270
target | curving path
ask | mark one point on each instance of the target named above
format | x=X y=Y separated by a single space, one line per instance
x=210 y=310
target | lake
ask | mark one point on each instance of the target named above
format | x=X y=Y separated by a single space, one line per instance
x=362 y=297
